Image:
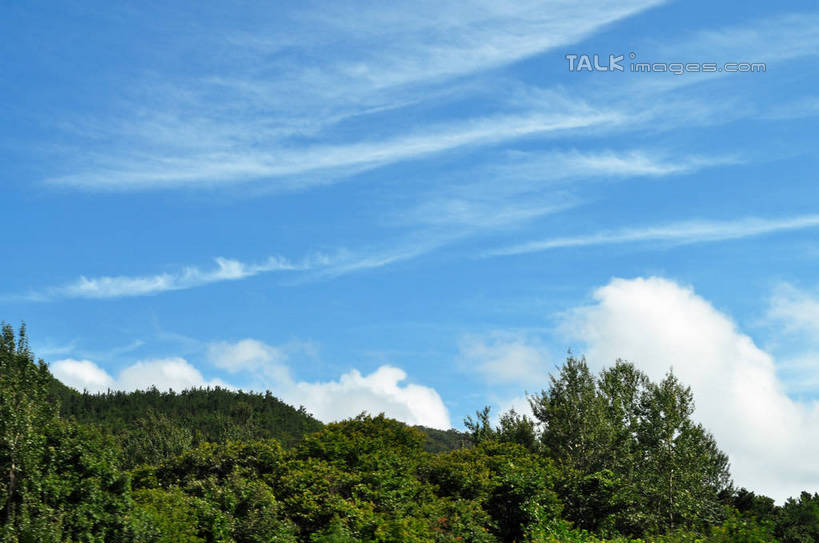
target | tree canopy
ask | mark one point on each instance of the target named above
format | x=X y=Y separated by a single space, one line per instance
x=606 y=458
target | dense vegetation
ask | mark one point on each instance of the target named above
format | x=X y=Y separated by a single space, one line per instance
x=613 y=457
x=151 y=425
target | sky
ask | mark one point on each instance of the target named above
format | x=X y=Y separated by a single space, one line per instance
x=418 y=209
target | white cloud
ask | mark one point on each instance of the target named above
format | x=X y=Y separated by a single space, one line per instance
x=676 y=233
x=772 y=440
x=475 y=208
x=504 y=357
x=465 y=37
x=216 y=168
x=796 y=310
x=234 y=123
x=575 y=164
x=380 y=391
x=253 y=356
x=314 y=266
x=247 y=354
x=269 y=367
x=82 y=375
x=533 y=185
x=164 y=373
x=123 y=285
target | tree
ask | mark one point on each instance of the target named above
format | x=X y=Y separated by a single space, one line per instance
x=683 y=470
x=25 y=412
x=621 y=388
x=83 y=491
x=155 y=437
x=633 y=459
x=512 y=428
x=572 y=416
x=798 y=520
x=520 y=429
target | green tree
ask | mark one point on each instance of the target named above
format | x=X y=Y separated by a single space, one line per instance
x=751 y=505
x=511 y=428
x=154 y=438
x=82 y=489
x=25 y=412
x=571 y=414
x=633 y=460
x=683 y=471
x=621 y=388
x=798 y=520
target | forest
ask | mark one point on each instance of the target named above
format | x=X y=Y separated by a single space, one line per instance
x=611 y=457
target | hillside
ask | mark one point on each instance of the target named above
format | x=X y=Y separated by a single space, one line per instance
x=206 y=415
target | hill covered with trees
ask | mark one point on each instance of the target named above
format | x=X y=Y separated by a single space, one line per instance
x=152 y=425
x=610 y=457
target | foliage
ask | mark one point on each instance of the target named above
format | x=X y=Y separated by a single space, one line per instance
x=798 y=520
x=62 y=481
x=607 y=458
x=512 y=428
x=634 y=461
x=152 y=423
x=24 y=414
x=438 y=441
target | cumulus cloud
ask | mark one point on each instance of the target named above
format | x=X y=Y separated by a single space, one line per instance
x=82 y=375
x=772 y=440
x=250 y=355
x=382 y=391
x=163 y=373
x=796 y=312
x=505 y=357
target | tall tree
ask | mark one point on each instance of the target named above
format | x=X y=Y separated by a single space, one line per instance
x=24 y=414
x=634 y=460
x=621 y=388
x=572 y=416
x=683 y=469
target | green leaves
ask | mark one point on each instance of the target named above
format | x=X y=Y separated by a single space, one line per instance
x=798 y=520
x=635 y=461
x=614 y=454
x=572 y=415
x=24 y=415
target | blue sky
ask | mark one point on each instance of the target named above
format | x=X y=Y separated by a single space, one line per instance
x=419 y=209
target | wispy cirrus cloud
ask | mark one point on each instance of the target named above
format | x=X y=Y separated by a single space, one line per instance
x=254 y=113
x=119 y=286
x=242 y=165
x=522 y=186
x=342 y=262
x=312 y=267
x=676 y=233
